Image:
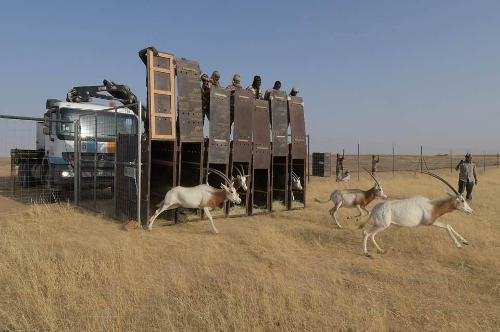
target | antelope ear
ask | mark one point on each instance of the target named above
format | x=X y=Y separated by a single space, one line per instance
x=247 y=176
x=223 y=186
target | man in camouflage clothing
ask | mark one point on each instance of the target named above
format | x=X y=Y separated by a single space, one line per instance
x=294 y=92
x=236 y=83
x=339 y=169
x=375 y=161
x=277 y=86
x=206 y=84
x=255 y=87
x=215 y=79
x=467 y=177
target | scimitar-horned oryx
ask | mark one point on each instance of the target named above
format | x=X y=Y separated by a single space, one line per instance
x=202 y=196
x=416 y=211
x=354 y=198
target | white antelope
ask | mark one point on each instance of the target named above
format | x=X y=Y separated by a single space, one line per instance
x=416 y=211
x=241 y=179
x=202 y=196
x=296 y=184
x=354 y=198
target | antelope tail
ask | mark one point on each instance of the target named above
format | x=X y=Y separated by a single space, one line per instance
x=160 y=204
x=363 y=224
x=321 y=202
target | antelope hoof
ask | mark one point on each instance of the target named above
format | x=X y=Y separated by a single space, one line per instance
x=459 y=246
x=368 y=255
x=381 y=251
x=465 y=242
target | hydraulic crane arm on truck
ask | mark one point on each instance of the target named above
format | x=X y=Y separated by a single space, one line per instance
x=121 y=93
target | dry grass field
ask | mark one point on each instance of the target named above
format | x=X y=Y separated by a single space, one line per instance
x=65 y=269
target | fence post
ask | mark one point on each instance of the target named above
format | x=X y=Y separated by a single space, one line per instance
x=139 y=163
x=421 y=159
x=76 y=161
x=95 y=163
x=358 y=161
x=308 y=163
x=497 y=159
x=451 y=161
x=115 y=165
x=484 y=162
x=393 y=163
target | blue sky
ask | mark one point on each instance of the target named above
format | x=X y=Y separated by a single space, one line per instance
x=381 y=72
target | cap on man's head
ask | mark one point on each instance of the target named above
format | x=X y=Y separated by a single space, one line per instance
x=216 y=74
x=468 y=155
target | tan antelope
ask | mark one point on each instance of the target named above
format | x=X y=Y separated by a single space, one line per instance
x=354 y=198
x=202 y=196
x=416 y=211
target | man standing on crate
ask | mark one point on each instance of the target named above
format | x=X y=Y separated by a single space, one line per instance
x=467 y=177
x=375 y=161
x=339 y=169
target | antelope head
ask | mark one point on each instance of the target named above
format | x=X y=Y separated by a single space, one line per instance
x=296 y=182
x=231 y=193
x=229 y=187
x=459 y=203
x=379 y=192
x=241 y=179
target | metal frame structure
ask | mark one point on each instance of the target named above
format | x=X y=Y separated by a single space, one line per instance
x=261 y=158
x=280 y=149
x=298 y=150
x=218 y=149
x=241 y=148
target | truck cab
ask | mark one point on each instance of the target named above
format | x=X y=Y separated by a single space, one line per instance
x=98 y=128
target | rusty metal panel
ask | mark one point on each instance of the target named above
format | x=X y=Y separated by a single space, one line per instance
x=189 y=100
x=218 y=152
x=297 y=127
x=243 y=119
x=279 y=123
x=261 y=135
x=161 y=108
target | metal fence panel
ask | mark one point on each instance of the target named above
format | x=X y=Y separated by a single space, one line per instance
x=36 y=165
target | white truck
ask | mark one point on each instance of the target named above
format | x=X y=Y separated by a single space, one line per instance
x=52 y=163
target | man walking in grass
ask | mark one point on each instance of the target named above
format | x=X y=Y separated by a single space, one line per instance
x=467 y=177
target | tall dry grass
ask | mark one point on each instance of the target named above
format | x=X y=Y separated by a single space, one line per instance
x=65 y=269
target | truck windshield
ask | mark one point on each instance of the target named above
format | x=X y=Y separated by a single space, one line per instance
x=125 y=124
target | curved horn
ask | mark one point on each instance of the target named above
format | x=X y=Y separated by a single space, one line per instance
x=374 y=179
x=242 y=170
x=295 y=176
x=238 y=170
x=442 y=180
x=219 y=173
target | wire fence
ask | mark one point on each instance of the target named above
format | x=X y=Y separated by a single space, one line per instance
x=339 y=163
x=68 y=155
x=28 y=172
